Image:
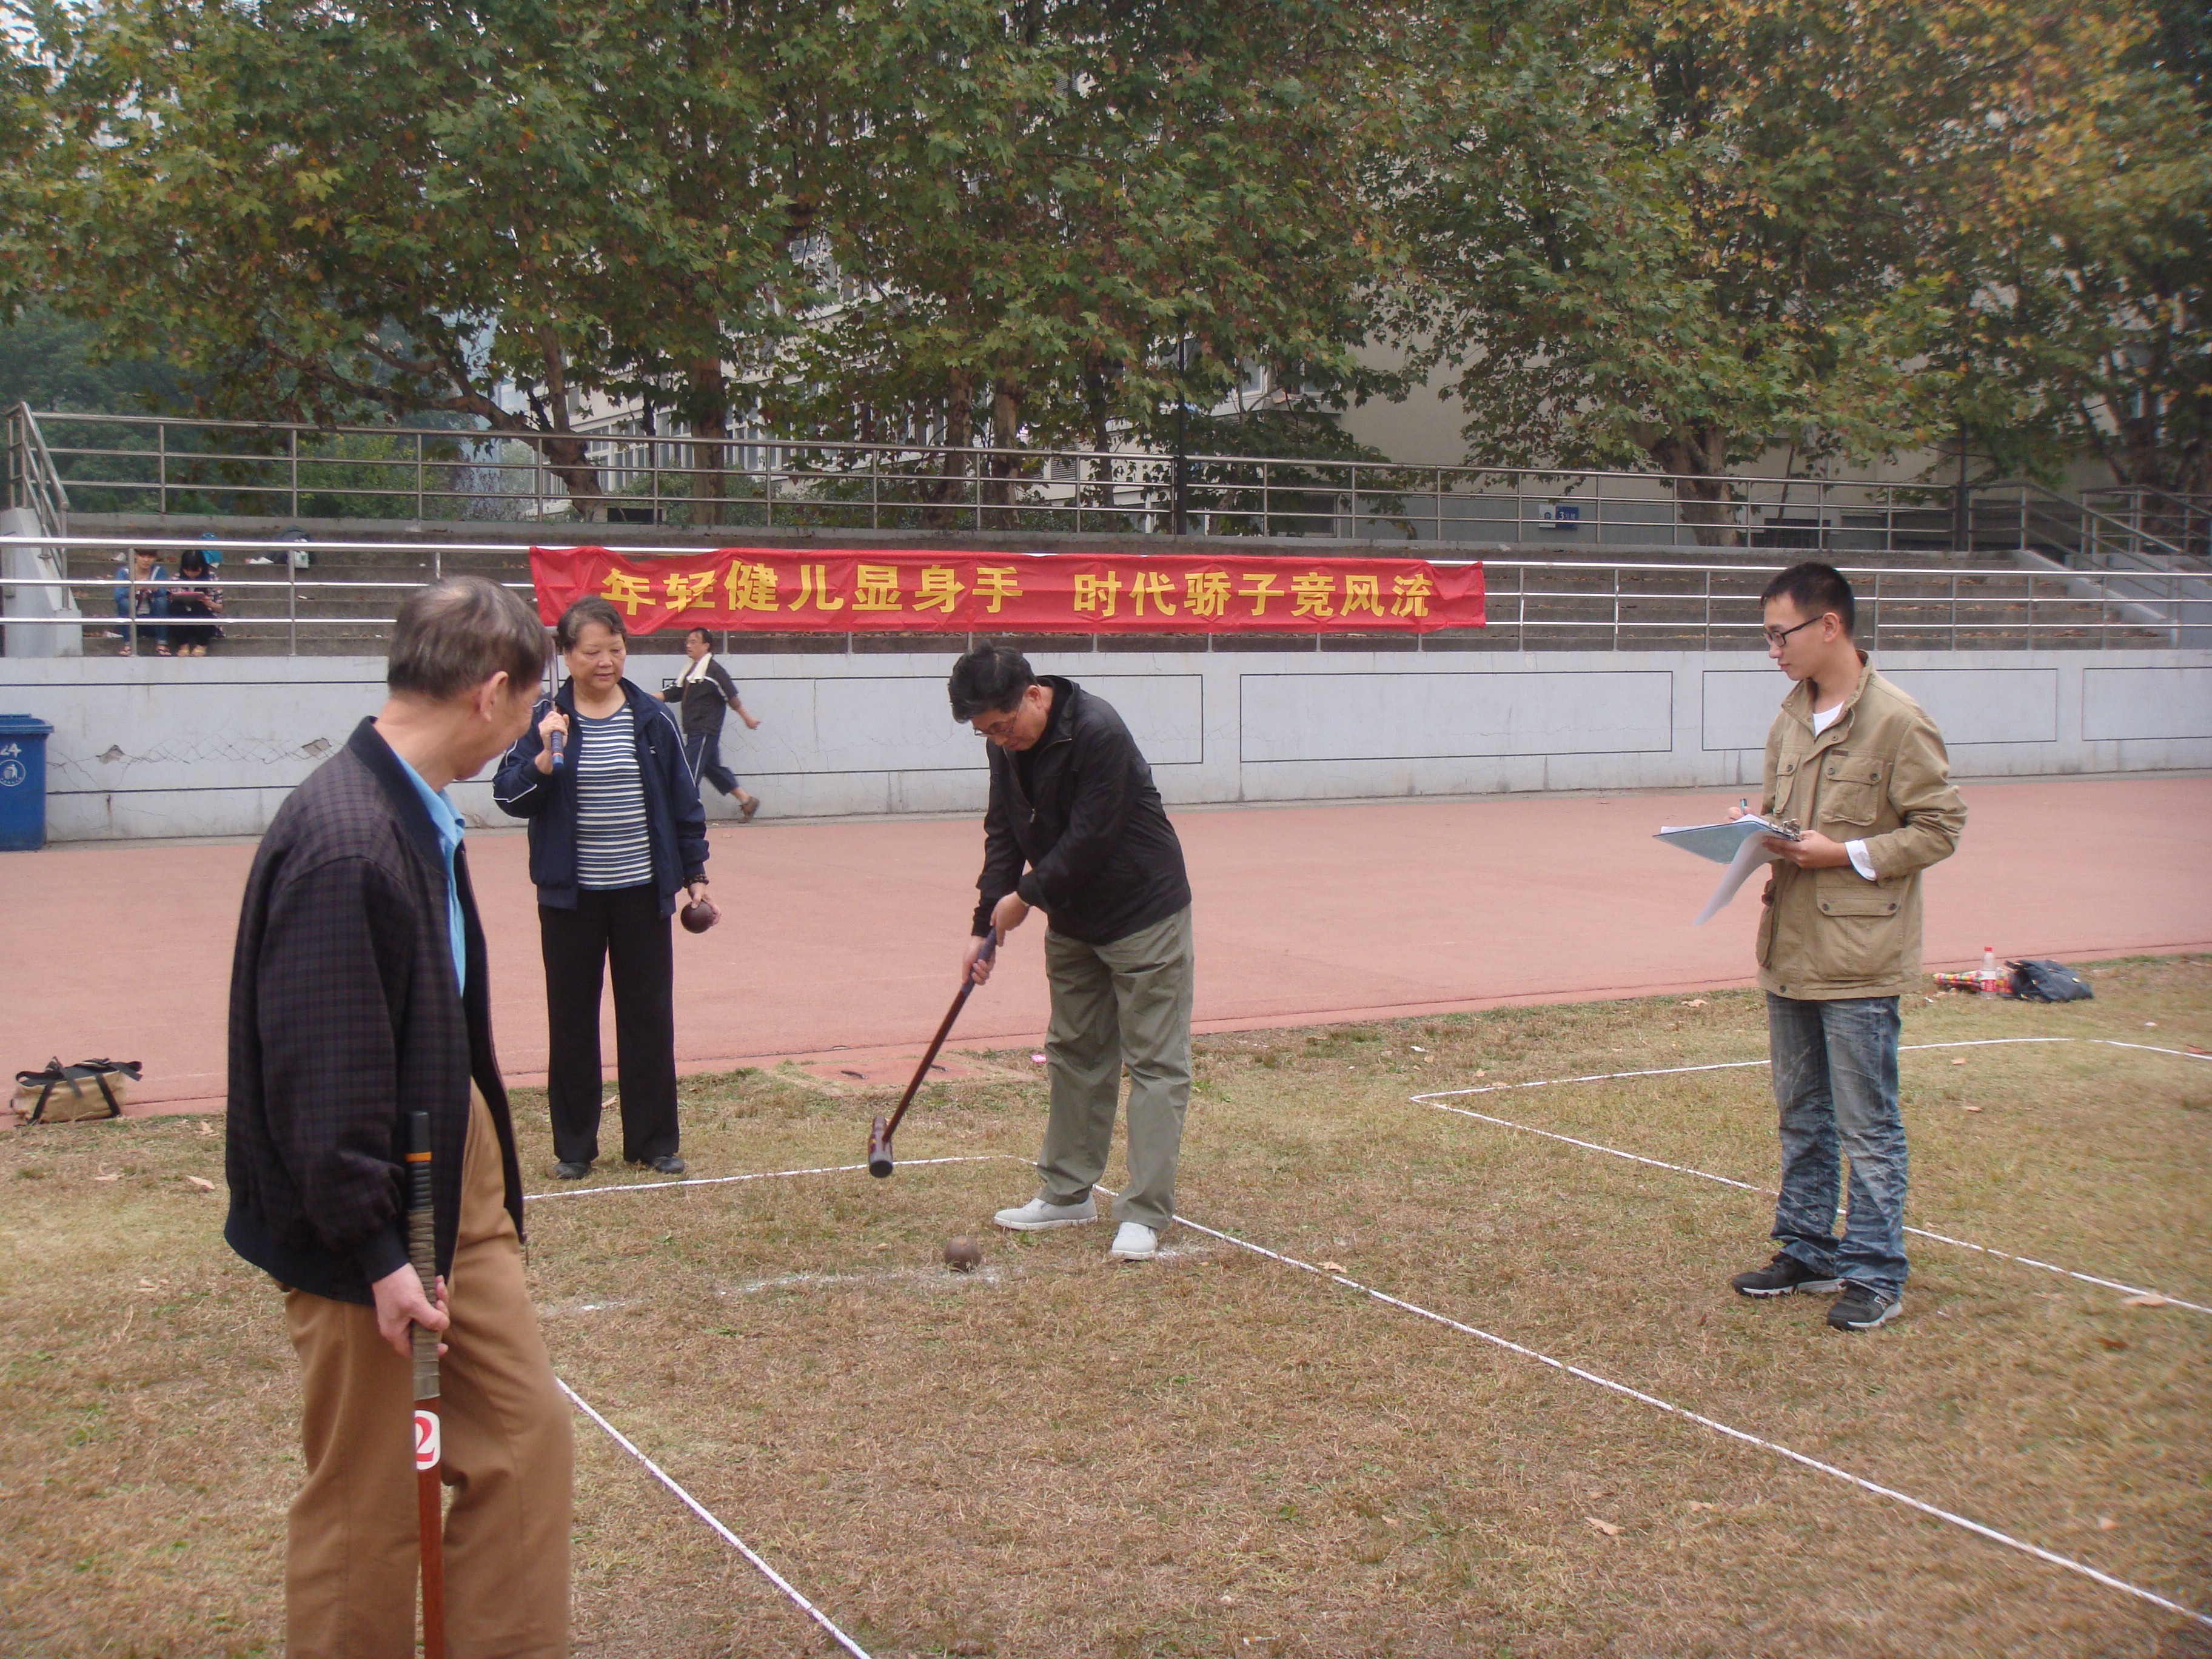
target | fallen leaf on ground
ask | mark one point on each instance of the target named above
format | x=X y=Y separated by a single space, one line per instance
x=205 y=1128
x=2113 y=1341
x=2105 y=1523
x=109 y=1177
x=2194 y=1050
x=1332 y=1266
x=1605 y=1527
x=2148 y=1299
x=203 y=1185
x=1958 y=1062
x=1694 y=1002
x=1973 y=1108
x=1694 y=1507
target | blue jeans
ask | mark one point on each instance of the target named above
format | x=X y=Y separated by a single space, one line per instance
x=1835 y=1080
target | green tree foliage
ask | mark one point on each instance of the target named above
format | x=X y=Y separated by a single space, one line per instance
x=51 y=362
x=1678 y=236
x=2066 y=286
x=1046 y=197
x=400 y=206
x=403 y=207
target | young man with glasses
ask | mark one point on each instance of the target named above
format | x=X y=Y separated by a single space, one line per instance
x=1860 y=765
x=1073 y=801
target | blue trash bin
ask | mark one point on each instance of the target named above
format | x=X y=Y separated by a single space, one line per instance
x=23 y=782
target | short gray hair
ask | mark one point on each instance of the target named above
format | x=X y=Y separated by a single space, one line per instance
x=591 y=608
x=454 y=634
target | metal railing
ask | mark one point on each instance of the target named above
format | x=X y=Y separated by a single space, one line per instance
x=1532 y=604
x=162 y=466
x=33 y=480
x=2140 y=522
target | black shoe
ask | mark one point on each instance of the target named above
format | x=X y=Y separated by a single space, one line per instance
x=1782 y=1275
x=1859 y=1308
x=572 y=1171
x=670 y=1165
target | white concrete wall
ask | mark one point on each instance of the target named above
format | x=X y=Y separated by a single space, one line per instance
x=150 y=747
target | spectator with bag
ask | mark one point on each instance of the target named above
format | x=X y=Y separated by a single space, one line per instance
x=142 y=593
x=194 y=603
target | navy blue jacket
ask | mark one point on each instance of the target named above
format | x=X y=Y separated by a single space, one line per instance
x=676 y=823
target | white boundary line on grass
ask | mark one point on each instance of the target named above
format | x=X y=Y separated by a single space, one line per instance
x=723 y=1181
x=1432 y=1099
x=709 y=1516
x=1991 y=1534
x=1715 y=1425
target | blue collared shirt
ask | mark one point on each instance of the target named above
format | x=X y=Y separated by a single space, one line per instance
x=447 y=823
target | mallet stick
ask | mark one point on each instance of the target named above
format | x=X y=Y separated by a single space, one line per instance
x=422 y=1256
x=880 y=1132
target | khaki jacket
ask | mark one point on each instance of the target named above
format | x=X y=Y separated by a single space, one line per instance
x=1878 y=774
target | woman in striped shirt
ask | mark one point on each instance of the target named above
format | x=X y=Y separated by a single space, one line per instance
x=615 y=832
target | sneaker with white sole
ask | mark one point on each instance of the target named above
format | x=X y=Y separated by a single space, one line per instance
x=1036 y=1215
x=1133 y=1242
x=1861 y=1308
x=1784 y=1276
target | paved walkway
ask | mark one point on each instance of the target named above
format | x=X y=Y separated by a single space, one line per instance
x=839 y=941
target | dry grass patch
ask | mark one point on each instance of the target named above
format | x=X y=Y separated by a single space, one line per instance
x=1216 y=1454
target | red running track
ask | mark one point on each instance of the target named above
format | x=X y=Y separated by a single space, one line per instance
x=846 y=936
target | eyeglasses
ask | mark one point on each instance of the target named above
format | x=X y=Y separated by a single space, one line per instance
x=1776 y=636
x=1002 y=728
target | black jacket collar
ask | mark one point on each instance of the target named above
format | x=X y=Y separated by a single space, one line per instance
x=390 y=772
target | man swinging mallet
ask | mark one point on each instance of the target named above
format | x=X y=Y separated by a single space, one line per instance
x=1073 y=801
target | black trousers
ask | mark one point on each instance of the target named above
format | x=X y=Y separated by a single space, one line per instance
x=622 y=929
x=703 y=751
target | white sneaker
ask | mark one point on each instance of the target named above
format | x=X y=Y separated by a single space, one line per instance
x=1135 y=1241
x=1036 y=1215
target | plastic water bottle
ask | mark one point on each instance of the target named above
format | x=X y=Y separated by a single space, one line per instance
x=1991 y=984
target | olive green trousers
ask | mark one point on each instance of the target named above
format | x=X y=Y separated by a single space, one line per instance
x=1127 y=1004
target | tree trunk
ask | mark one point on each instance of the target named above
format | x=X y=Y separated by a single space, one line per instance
x=1695 y=458
x=707 y=411
x=958 y=453
x=1005 y=430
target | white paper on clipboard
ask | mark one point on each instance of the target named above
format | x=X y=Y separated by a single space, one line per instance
x=1712 y=841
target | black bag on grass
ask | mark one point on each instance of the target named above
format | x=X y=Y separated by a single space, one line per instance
x=2048 y=981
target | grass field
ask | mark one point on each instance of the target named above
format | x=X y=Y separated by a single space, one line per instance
x=1218 y=1453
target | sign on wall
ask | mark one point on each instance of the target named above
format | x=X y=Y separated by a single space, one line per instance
x=785 y=591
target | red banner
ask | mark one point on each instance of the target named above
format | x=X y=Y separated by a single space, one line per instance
x=841 y=590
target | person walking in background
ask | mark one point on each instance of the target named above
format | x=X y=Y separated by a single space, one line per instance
x=359 y=995
x=1859 y=764
x=705 y=690
x=616 y=831
x=1073 y=801
x=194 y=602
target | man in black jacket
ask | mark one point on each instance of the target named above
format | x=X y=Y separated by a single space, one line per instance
x=1072 y=798
x=704 y=689
x=358 y=996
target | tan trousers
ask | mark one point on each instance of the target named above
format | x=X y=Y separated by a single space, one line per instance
x=1123 y=1004
x=351 y=1586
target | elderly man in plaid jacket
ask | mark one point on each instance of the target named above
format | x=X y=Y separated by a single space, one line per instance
x=358 y=996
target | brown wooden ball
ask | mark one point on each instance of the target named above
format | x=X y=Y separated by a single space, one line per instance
x=962 y=1255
